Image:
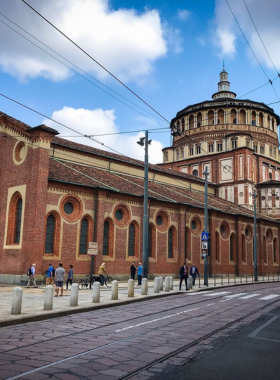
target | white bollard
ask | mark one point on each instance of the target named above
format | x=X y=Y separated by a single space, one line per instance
x=171 y=283
x=130 y=288
x=144 y=290
x=156 y=285
x=16 y=300
x=167 y=284
x=190 y=282
x=160 y=283
x=96 y=292
x=74 y=295
x=115 y=290
x=48 y=301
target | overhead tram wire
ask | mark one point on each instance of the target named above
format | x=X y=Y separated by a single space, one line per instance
x=270 y=81
x=93 y=59
x=76 y=72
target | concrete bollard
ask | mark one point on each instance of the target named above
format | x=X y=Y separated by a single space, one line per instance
x=96 y=292
x=190 y=282
x=160 y=283
x=144 y=290
x=74 y=295
x=156 y=285
x=167 y=284
x=16 y=300
x=48 y=301
x=171 y=283
x=115 y=290
x=130 y=288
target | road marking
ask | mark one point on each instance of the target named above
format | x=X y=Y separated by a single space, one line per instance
x=198 y=293
x=235 y=295
x=255 y=333
x=249 y=296
x=215 y=294
x=269 y=297
x=158 y=319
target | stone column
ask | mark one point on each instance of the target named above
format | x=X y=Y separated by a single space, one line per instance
x=156 y=285
x=167 y=284
x=130 y=288
x=144 y=290
x=48 y=301
x=190 y=282
x=160 y=283
x=16 y=301
x=96 y=292
x=115 y=290
x=74 y=295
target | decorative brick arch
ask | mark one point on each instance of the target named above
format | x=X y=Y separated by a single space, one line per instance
x=56 y=233
x=13 y=218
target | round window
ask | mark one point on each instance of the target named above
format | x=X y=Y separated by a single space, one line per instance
x=246 y=232
x=68 y=208
x=193 y=225
x=119 y=214
x=222 y=229
x=159 y=220
x=195 y=172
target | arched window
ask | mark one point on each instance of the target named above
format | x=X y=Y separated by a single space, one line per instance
x=243 y=249
x=199 y=119
x=131 y=240
x=233 y=116
x=84 y=237
x=232 y=254
x=210 y=117
x=18 y=220
x=170 y=243
x=49 y=244
x=183 y=125
x=275 y=251
x=221 y=117
x=261 y=119
x=254 y=122
x=242 y=117
x=191 y=122
x=106 y=238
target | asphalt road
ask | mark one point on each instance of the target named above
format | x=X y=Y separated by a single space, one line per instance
x=229 y=333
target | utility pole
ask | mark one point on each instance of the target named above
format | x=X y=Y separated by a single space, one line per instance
x=144 y=141
x=206 y=173
x=255 y=239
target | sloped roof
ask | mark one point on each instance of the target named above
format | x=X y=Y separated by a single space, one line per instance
x=75 y=174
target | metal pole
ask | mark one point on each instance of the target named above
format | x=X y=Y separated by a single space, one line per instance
x=206 y=173
x=255 y=239
x=145 y=221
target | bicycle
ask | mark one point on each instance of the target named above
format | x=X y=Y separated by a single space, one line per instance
x=86 y=281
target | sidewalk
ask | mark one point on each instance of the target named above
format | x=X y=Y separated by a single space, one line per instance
x=33 y=300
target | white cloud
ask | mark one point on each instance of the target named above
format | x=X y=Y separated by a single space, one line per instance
x=266 y=19
x=96 y=122
x=124 y=41
x=183 y=14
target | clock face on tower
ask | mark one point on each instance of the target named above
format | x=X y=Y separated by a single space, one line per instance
x=226 y=169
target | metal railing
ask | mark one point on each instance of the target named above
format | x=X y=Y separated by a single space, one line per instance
x=233 y=279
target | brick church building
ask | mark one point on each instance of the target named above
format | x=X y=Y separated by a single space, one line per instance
x=57 y=195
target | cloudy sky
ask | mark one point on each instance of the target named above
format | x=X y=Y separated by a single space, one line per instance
x=168 y=52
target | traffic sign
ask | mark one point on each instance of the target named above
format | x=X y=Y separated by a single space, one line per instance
x=204 y=246
x=204 y=236
x=92 y=248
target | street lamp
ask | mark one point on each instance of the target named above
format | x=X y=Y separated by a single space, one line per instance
x=144 y=141
x=206 y=174
x=255 y=239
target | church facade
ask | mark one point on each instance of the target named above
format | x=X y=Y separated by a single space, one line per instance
x=57 y=196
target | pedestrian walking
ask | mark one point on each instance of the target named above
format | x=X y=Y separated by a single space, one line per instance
x=133 y=271
x=59 y=275
x=31 y=276
x=139 y=273
x=50 y=275
x=184 y=275
x=102 y=273
x=193 y=273
x=69 y=276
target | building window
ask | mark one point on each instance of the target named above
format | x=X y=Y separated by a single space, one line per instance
x=49 y=244
x=255 y=147
x=131 y=240
x=159 y=220
x=274 y=153
x=84 y=237
x=195 y=172
x=210 y=148
x=270 y=151
x=177 y=155
x=170 y=243
x=106 y=238
x=234 y=144
x=68 y=208
x=18 y=220
x=220 y=147
x=253 y=122
x=262 y=149
x=182 y=153
x=191 y=151
x=165 y=156
x=198 y=150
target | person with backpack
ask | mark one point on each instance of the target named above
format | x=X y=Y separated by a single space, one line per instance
x=69 y=276
x=50 y=275
x=31 y=276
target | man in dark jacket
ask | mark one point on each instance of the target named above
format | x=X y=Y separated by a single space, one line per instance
x=193 y=273
x=184 y=275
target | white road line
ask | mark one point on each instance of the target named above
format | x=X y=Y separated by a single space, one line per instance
x=235 y=295
x=249 y=296
x=215 y=294
x=269 y=297
x=199 y=293
x=255 y=332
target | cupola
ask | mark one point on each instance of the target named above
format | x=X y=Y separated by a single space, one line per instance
x=224 y=87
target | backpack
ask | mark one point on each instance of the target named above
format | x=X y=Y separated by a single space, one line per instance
x=29 y=272
x=53 y=272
